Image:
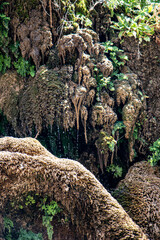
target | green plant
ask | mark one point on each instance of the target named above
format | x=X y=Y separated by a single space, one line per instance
x=75 y=15
x=24 y=67
x=118 y=60
x=115 y=170
x=8 y=225
x=105 y=142
x=135 y=19
x=46 y=220
x=155 y=149
x=30 y=200
x=29 y=235
x=102 y=82
x=5 y=60
x=9 y=52
x=50 y=210
x=83 y=20
x=118 y=126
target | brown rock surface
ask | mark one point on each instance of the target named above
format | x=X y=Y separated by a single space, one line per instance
x=27 y=166
x=139 y=194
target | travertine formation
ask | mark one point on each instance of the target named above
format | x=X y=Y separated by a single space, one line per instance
x=26 y=166
x=62 y=94
x=139 y=194
x=34 y=35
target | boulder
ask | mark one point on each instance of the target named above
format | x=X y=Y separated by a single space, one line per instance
x=26 y=166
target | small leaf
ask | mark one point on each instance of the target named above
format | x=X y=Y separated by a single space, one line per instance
x=147 y=39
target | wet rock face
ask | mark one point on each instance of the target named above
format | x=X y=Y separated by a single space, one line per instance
x=144 y=61
x=139 y=194
x=65 y=90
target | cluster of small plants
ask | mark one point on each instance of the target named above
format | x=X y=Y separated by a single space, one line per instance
x=155 y=149
x=21 y=235
x=102 y=82
x=75 y=15
x=133 y=18
x=8 y=225
x=10 y=56
x=115 y=170
x=118 y=59
x=48 y=208
x=29 y=235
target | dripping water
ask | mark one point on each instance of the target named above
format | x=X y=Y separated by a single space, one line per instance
x=68 y=144
x=59 y=141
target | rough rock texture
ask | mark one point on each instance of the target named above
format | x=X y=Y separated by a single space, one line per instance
x=145 y=62
x=101 y=19
x=61 y=93
x=139 y=194
x=34 y=35
x=11 y=84
x=129 y=96
x=26 y=166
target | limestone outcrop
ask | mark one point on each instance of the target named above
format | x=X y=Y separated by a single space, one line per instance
x=139 y=194
x=25 y=166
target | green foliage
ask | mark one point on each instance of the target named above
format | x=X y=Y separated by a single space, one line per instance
x=134 y=18
x=50 y=210
x=29 y=235
x=75 y=15
x=138 y=27
x=105 y=142
x=81 y=6
x=118 y=126
x=102 y=82
x=136 y=133
x=8 y=225
x=118 y=59
x=24 y=67
x=5 y=60
x=4 y=25
x=46 y=220
x=115 y=170
x=9 y=52
x=30 y=200
x=83 y=20
x=155 y=149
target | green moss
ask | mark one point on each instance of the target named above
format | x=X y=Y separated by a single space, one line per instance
x=105 y=142
x=81 y=7
x=23 y=7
